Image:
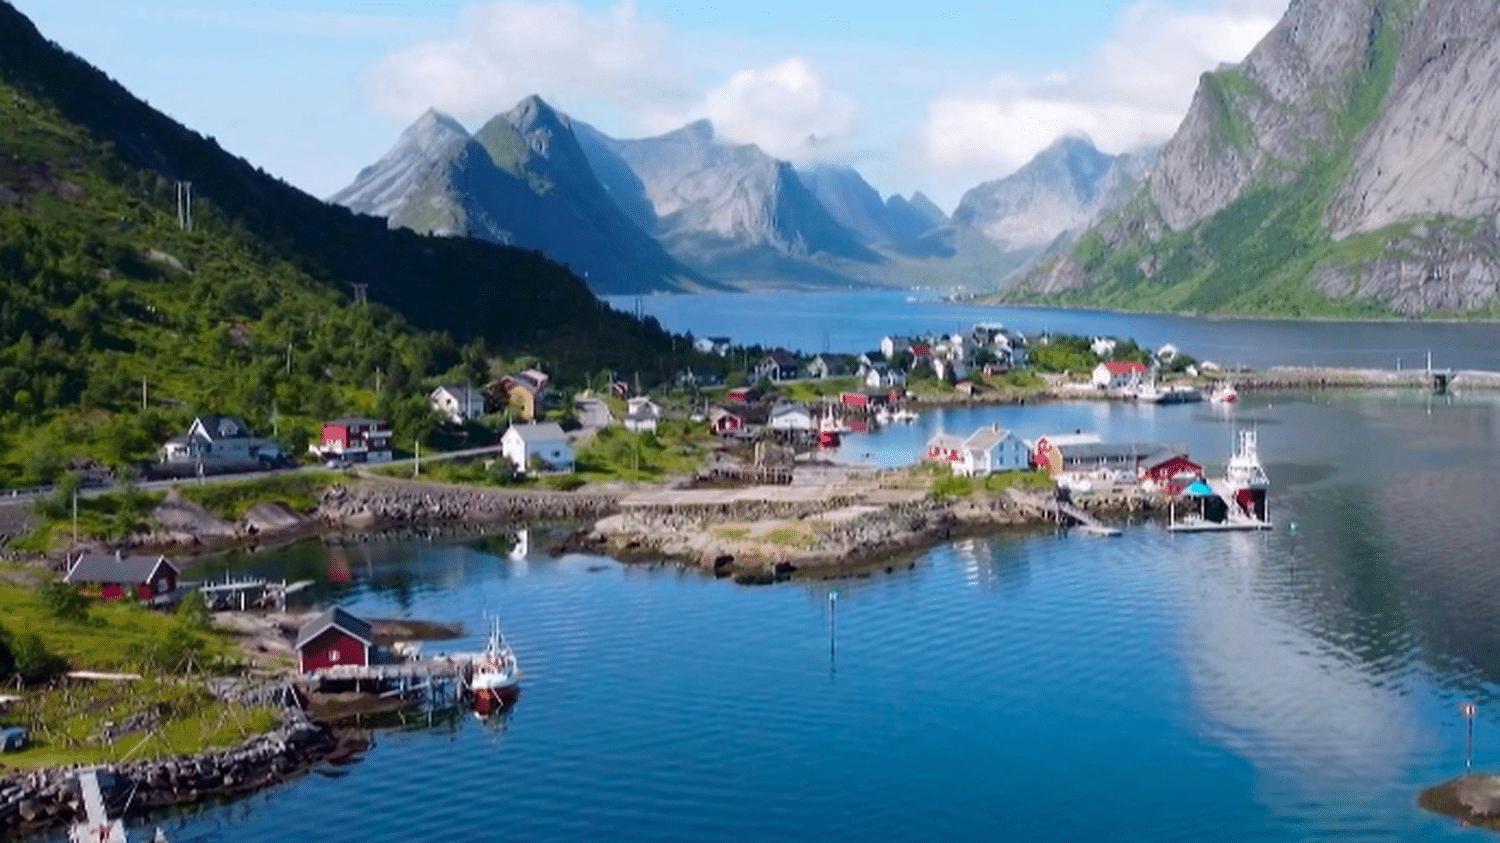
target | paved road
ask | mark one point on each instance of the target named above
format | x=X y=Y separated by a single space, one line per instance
x=22 y=496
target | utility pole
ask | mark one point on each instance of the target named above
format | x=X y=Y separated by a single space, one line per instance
x=416 y=468
x=289 y=358
x=377 y=380
x=75 y=516
x=143 y=395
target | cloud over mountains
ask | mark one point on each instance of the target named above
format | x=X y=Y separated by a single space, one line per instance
x=972 y=122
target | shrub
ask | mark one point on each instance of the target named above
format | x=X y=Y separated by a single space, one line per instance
x=63 y=601
x=34 y=663
x=176 y=649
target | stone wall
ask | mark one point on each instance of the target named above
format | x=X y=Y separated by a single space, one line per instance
x=34 y=800
x=386 y=504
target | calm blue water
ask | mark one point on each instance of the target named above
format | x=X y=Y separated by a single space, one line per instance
x=855 y=322
x=1297 y=685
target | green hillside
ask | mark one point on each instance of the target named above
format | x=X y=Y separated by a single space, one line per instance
x=250 y=312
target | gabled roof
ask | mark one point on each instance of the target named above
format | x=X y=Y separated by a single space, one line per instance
x=114 y=567
x=780 y=359
x=787 y=409
x=1124 y=367
x=1111 y=450
x=335 y=617
x=985 y=438
x=539 y=432
x=222 y=427
x=716 y=413
x=465 y=394
x=1163 y=457
x=946 y=441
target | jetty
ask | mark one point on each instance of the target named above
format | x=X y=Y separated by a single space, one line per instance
x=245 y=593
x=1057 y=509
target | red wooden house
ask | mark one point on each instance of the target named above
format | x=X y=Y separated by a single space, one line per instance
x=110 y=575
x=1172 y=472
x=356 y=440
x=334 y=638
x=723 y=422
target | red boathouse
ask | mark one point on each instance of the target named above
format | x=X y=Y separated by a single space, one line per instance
x=334 y=638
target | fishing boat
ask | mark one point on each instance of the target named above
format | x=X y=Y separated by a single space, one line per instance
x=1246 y=477
x=1224 y=393
x=1236 y=502
x=497 y=677
x=831 y=430
x=904 y=415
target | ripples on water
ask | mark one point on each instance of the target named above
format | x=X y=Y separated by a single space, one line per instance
x=1296 y=685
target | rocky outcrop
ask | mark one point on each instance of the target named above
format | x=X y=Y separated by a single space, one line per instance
x=35 y=800
x=189 y=522
x=388 y=504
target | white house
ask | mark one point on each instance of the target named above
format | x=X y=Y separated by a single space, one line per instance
x=592 y=412
x=941 y=365
x=712 y=345
x=1119 y=374
x=790 y=417
x=543 y=442
x=990 y=449
x=641 y=413
x=218 y=441
x=891 y=346
x=457 y=404
x=881 y=376
x=832 y=366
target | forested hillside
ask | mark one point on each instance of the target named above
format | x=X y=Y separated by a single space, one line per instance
x=253 y=310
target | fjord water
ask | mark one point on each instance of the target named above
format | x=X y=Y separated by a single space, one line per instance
x=855 y=321
x=1302 y=684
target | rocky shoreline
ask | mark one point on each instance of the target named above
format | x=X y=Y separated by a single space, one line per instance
x=37 y=800
x=764 y=543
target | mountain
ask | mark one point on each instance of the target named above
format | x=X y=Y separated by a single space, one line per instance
x=895 y=223
x=1067 y=186
x=1345 y=167
x=727 y=210
x=521 y=180
x=269 y=302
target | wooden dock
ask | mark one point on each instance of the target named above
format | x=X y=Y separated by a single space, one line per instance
x=1059 y=509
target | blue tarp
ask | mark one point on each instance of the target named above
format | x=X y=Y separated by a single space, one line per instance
x=1199 y=488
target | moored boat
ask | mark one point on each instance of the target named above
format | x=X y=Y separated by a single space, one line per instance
x=497 y=677
x=1223 y=393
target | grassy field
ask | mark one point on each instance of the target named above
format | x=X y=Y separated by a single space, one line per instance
x=66 y=717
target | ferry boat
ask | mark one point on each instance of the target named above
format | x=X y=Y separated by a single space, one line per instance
x=497 y=677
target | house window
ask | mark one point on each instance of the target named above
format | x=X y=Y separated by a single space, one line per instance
x=333 y=655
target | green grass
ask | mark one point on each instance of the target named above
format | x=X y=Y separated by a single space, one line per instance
x=678 y=447
x=231 y=500
x=956 y=486
x=65 y=722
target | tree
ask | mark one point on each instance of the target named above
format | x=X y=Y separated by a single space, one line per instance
x=63 y=601
x=34 y=663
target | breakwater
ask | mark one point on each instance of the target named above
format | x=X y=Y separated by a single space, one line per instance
x=32 y=801
x=386 y=504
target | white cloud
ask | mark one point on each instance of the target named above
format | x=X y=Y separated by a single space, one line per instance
x=1132 y=90
x=786 y=108
x=509 y=49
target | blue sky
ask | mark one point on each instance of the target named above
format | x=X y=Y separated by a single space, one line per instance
x=936 y=96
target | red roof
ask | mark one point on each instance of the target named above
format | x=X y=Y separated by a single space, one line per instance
x=1121 y=367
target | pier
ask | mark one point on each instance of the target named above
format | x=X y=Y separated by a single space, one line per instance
x=1058 y=508
x=247 y=593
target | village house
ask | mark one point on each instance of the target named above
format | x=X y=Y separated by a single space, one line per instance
x=832 y=366
x=712 y=345
x=592 y=413
x=543 y=444
x=109 y=575
x=221 y=442
x=1119 y=374
x=891 y=346
x=921 y=352
x=882 y=376
x=724 y=423
x=944 y=447
x=641 y=414
x=354 y=439
x=1125 y=458
x=790 y=417
x=688 y=377
x=527 y=392
x=457 y=404
x=989 y=450
x=1170 y=471
x=942 y=366
x=777 y=367
x=871 y=359
x=743 y=394
x=333 y=639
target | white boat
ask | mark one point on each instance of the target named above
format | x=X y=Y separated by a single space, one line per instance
x=829 y=423
x=497 y=676
x=1224 y=393
x=904 y=415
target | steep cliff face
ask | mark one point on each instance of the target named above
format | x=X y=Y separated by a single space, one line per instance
x=1064 y=188
x=1349 y=166
x=728 y=210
